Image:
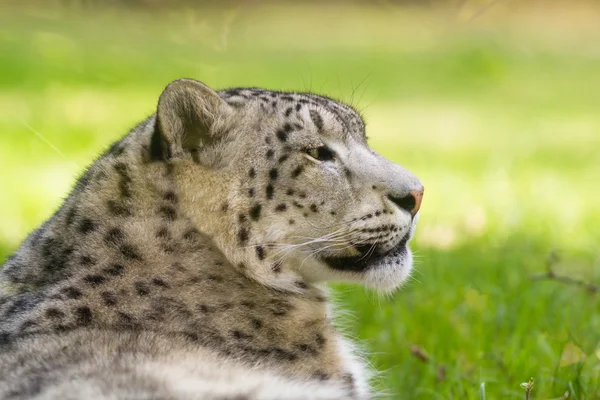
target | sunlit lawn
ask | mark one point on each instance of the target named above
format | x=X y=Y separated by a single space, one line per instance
x=498 y=116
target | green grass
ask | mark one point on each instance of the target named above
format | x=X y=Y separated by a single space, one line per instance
x=498 y=116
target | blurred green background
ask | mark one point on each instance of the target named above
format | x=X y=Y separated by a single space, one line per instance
x=494 y=105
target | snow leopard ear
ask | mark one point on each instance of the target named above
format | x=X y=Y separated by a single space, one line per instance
x=190 y=115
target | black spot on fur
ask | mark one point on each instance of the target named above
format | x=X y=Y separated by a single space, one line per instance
x=94 y=280
x=86 y=226
x=142 y=289
x=248 y=304
x=303 y=347
x=215 y=278
x=54 y=313
x=282 y=135
x=114 y=270
x=283 y=158
x=22 y=303
x=260 y=252
x=109 y=298
x=125 y=186
x=321 y=340
x=27 y=324
x=296 y=204
x=298 y=106
x=252 y=173
x=130 y=252
x=163 y=233
x=297 y=171
x=290 y=192
x=281 y=207
x=83 y=316
x=270 y=190
x=86 y=261
x=251 y=192
x=224 y=207
x=314 y=208
x=316 y=119
x=288 y=111
x=160 y=283
x=255 y=212
x=171 y=197
x=270 y=154
x=114 y=236
x=116 y=149
x=239 y=335
x=4 y=338
x=278 y=353
x=192 y=234
x=117 y=209
x=276 y=267
x=126 y=319
x=121 y=168
x=191 y=336
x=243 y=235
x=256 y=323
x=301 y=285
x=320 y=375
x=70 y=216
x=168 y=213
x=72 y=292
x=291 y=222
x=280 y=307
x=242 y=218
x=348 y=379
x=205 y=309
x=62 y=328
x=101 y=175
x=167 y=248
x=125 y=180
x=273 y=174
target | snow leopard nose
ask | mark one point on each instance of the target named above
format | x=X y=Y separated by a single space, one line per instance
x=410 y=202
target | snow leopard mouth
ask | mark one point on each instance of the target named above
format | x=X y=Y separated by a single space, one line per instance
x=368 y=257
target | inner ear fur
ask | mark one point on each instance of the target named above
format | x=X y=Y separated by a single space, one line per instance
x=188 y=117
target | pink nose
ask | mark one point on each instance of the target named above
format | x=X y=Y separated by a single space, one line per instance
x=418 y=195
x=411 y=202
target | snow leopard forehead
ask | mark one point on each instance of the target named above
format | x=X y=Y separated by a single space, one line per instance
x=321 y=109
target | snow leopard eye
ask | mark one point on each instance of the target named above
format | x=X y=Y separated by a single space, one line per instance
x=321 y=153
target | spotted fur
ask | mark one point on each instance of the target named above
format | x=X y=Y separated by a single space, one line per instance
x=187 y=262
